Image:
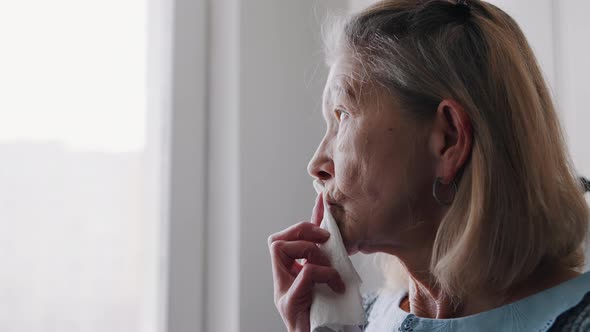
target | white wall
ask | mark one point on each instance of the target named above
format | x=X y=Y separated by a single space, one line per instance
x=358 y=5
x=185 y=140
x=265 y=84
x=222 y=294
x=572 y=72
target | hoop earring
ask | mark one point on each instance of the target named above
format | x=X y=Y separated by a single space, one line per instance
x=435 y=189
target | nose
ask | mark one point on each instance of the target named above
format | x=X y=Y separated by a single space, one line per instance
x=321 y=165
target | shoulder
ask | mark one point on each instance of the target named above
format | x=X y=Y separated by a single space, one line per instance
x=565 y=307
x=576 y=318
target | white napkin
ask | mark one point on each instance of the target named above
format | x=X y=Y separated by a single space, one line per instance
x=338 y=312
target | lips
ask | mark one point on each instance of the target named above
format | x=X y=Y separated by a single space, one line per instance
x=336 y=210
x=332 y=203
x=320 y=188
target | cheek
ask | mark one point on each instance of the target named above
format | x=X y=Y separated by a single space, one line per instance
x=395 y=165
x=361 y=159
x=403 y=176
x=353 y=162
x=347 y=166
x=374 y=166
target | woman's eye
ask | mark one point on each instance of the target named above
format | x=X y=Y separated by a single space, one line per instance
x=341 y=114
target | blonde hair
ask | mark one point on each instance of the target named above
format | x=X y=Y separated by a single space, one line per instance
x=519 y=206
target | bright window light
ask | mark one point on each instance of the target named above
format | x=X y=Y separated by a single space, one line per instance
x=79 y=248
x=73 y=71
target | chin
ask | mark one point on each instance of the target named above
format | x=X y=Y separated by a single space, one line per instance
x=367 y=251
x=351 y=247
x=351 y=250
x=350 y=244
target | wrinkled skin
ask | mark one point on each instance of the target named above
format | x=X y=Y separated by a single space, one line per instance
x=375 y=164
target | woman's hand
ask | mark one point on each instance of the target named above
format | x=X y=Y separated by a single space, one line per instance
x=293 y=282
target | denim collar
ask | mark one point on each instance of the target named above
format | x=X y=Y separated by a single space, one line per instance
x=537 y=312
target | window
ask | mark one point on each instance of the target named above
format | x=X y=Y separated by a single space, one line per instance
x=79 y=238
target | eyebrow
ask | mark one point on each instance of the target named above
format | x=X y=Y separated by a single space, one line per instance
x=346 y=89
x=341 y=87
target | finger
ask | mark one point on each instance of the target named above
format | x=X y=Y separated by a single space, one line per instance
x=312 y=274
x=284 y=269
x=301 y=231
x=300 y=249
x=284 y=256
x=318 y=210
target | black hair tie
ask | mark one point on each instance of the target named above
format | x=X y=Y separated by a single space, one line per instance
x=463 y=3
x=462 y=9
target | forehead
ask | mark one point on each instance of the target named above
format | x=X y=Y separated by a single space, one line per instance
x=351 y=87
x=341 y=82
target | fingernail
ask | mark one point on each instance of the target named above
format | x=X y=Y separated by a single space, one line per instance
x=324 y=232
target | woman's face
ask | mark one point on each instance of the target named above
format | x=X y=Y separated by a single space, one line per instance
x=374 y=163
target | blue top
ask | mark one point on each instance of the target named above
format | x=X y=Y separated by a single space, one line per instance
x=539 y=312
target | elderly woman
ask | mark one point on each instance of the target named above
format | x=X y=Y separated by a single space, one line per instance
x=443 y=149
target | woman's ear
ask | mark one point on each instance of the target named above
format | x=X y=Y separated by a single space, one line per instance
x=451 y=139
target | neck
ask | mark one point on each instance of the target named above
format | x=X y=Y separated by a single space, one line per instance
x=425 y=299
